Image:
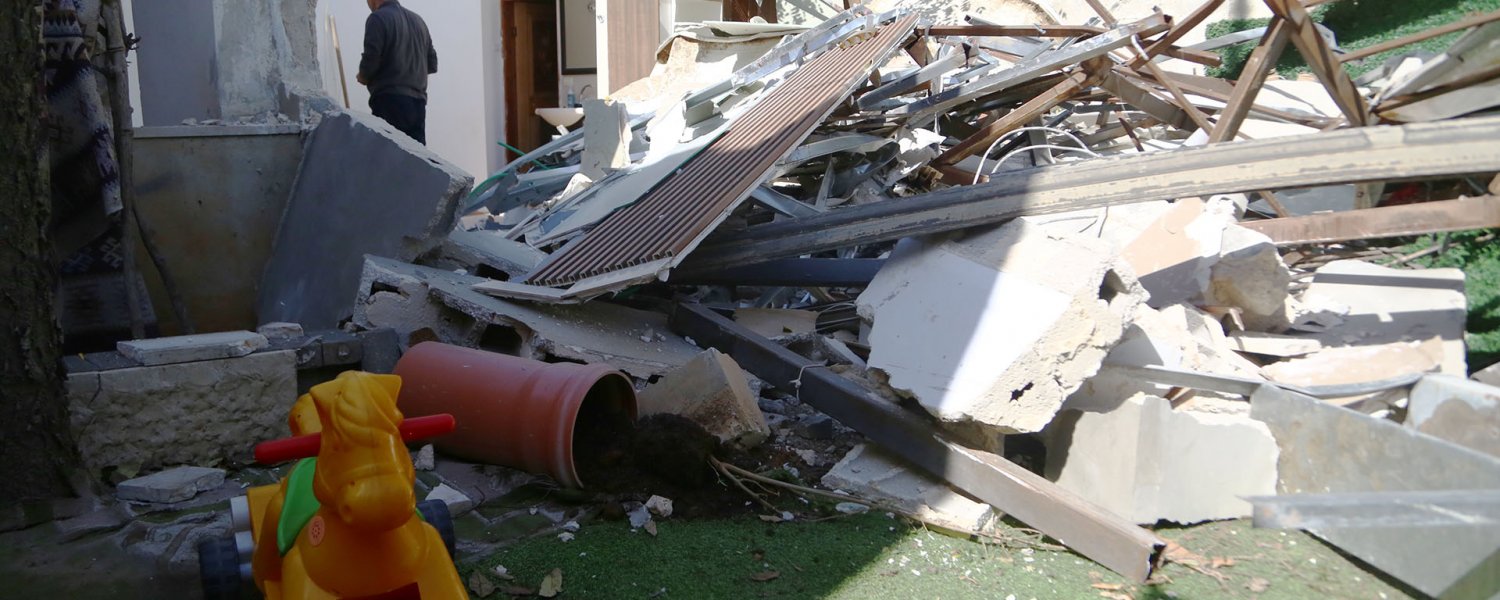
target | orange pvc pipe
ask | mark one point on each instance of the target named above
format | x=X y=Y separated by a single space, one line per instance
x=511 y=411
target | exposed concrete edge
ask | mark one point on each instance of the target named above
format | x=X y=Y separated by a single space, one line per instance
x=194 y=131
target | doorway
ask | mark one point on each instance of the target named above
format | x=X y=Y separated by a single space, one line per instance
x=529 y=32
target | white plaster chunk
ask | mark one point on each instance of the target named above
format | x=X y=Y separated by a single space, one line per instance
x=712 y=391
x=458 y=503
x=1251 y=276
x=1461 y=411
x=1146 y=462
x=191 y=348
x=997 y=328
x=172 y=485
x=871 y=474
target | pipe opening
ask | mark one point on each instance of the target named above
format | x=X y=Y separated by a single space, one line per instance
x=605 y=429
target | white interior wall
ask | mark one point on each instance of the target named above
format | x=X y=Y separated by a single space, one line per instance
x=465 y=99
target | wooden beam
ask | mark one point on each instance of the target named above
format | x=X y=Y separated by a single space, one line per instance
x=1390 y=221
x=1123 y=84
x=1178 y=30
x=1017 y=118
x=1261 y=61
x=1109 y=19
x=1419 y=150
x=1202 y=57
x=1107 y=539
x=1473 y=21
x=1321 y=60
x=1199 y=118
x=1054 y=31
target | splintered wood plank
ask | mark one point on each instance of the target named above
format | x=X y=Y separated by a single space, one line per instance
x=1390 y=221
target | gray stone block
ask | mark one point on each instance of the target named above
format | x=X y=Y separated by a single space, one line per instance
x=363 y=188
x=190 y=413
x=172 y=485
x=192 y=348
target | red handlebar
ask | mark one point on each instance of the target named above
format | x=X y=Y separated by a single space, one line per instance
x=306 y=446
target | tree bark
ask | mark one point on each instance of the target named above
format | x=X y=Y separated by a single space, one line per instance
x=36 y=450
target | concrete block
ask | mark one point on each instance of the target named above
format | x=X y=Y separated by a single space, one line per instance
x=380 y=350
x=489 y=254
x=1174 y=256
x=363 y=188
x=191 y=413
x=458 y=503
x=1250 y=275
x=871 y=474
x=191 y=348
x=280 y=331
x=1394 y=305
x=712 y=391
x=1000 y=326
x=1146 y=462
x=1464 y=412
x=172 y=485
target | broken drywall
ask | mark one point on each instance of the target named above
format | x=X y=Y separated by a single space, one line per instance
x=1000 y=326
x=363 y=188
x=1146 y=462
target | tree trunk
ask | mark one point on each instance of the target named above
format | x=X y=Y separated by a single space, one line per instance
x=36 y=452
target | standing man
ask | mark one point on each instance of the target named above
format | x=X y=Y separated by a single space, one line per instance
x=397 y=60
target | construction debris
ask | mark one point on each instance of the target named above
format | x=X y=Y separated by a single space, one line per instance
x=172 y=485
x=871 y=474
x=711 y=390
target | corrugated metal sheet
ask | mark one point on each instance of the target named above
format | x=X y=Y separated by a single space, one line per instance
x=674 y=216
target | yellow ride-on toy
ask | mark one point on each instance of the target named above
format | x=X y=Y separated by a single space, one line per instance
x=344 y=523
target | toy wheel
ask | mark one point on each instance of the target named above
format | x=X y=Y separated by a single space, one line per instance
x=219 y=568
x=435 y=512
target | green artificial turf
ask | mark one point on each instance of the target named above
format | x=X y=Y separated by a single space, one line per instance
x=1358 y=24
x=874 y=556
x=1480 y=261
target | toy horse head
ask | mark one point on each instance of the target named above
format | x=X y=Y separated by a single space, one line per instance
x=364 y=472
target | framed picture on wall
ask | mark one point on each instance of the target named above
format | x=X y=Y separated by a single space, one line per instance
x=578 y=21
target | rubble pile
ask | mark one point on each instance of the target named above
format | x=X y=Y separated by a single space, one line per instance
x=948 y=235
x=1043 y=270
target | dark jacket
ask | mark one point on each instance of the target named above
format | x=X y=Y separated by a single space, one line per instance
x=398 y=52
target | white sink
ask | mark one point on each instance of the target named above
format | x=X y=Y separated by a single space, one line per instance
x=561 y=117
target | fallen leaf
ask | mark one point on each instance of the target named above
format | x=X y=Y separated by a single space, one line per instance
x=481 y=585
x=770 y=518
x=1220 y=561
x=1115 y=596
x=517 y=590
x=1109 y=587
x=651 y=528
x=1180 y=555
x=765 y=576
x=1258 y=585
x=551 y=584
x=503 y=573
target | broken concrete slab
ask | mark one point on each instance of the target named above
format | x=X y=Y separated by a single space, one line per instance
x=488 y=254
x=423 y=303
x=1394 y=305
x=1249 y=275
x=339 y=212
x=191 y=348
x=1358 y=364
x=172 y=485
x=712 y=391
x=1270 y=344
x=1147 y=462
x=1000 y=326
x=871 y=474
x=1177 y=337
x=1328 y=449
x=280 y=331
x=458 y=503
x=200 y=413
x=775 y=322
x=1464 y=412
